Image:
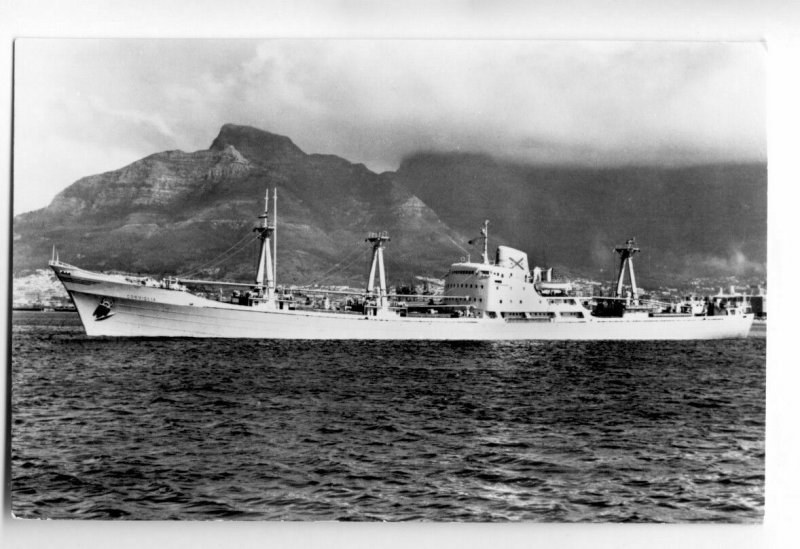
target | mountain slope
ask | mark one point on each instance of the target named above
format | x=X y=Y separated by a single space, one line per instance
x=175 y=212
x=690 y=221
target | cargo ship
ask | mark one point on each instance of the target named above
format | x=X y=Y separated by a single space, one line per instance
x=499 y=298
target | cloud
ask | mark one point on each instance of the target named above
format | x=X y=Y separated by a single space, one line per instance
x=584 y=103
x=736 y=263
x=377 y=101
x=129 y=117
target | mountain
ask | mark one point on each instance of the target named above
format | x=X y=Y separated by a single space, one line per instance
x=192 y=213
x=175 y=212
x=690 y=222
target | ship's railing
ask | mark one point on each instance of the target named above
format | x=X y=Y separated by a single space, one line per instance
x=629 y=300
x=214 y=283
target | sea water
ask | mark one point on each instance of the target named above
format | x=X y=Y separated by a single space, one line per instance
x=299 y=430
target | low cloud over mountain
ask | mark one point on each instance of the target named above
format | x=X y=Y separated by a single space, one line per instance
x=175 y=212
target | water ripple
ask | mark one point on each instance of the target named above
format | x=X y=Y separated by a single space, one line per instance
x=261 y=430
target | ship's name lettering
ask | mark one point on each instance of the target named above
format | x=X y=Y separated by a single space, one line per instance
x=140 y=297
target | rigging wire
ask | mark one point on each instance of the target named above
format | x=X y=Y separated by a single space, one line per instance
x=244 y=241
x=352 y=255
x=456 y=244
x=218 y=261
x=228 y=256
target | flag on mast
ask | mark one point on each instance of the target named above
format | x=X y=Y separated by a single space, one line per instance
x=482 y=236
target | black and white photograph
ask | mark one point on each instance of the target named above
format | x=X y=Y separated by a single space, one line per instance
x=389 y=280
x=435 y=281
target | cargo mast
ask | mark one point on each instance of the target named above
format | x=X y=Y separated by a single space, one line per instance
x=265 y=274
x=626 y=254
x=274 y=236
x=377 y=240
x=485 y=237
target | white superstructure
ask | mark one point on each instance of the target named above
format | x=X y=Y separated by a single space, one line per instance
x=489 y=300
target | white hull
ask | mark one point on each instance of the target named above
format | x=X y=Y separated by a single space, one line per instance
x=142 y=311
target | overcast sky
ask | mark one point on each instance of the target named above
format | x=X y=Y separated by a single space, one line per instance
x=87 y=106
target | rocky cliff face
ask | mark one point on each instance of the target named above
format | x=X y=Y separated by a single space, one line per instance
x=159 y=181
x=174 y=212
